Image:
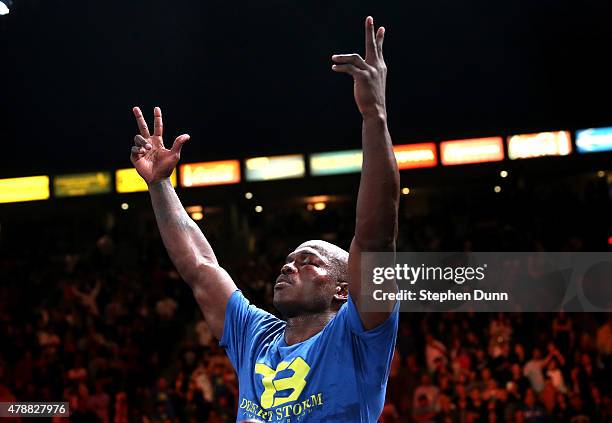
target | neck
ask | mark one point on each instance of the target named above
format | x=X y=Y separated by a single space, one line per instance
x=300 y=328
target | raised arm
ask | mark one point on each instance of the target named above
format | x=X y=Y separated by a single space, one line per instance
x=187 y=247
x=378 y=198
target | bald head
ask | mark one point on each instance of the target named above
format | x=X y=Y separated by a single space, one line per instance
x=334 y=255
x=313 y=280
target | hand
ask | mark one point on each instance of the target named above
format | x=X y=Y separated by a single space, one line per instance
x=369 y=75
x=151 y=159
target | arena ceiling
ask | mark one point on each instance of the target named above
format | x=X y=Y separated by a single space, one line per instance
x=252 y=78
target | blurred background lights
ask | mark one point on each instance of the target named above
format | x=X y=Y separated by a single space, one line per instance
x=196 y=212
x=497 y=189
x=5 y=6
x=258 y=209
x=125 y=206
x=248 y=195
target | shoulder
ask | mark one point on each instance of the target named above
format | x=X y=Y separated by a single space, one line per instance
x=245 y=322
x=348 y=318
x=239 y=306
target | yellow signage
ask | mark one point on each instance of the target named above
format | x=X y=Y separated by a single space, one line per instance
x=128 y=180
x=210 y=173
x=30 y=188
x=82 y=184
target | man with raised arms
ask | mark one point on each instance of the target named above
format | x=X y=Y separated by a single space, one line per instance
x=328 y=360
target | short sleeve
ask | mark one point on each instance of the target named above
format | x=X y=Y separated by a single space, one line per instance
x=387 y=329
x=373 y=349
x=244 y=324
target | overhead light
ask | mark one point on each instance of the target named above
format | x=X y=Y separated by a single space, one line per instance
x=197 y=216
x=248 y=195
x=194 y=209
x=503 y=173
x=5 y=6
x=405 y=190
x=318 y=199
x=258 y=209
x=320 y=206
x=125 y=206
x=497 y=189
x=601 y=174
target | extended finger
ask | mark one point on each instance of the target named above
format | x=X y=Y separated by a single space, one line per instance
x=159 y=126
x=141 y=142
x=142 y=124
x=380 y=38
x=370 y=44
x=353 y=59
x=348 y=68
x=178 y=143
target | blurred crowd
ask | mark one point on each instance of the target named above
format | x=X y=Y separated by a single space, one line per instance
x=93 y=313
x=502 y=368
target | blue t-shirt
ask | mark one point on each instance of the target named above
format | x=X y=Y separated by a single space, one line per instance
x=338 y=375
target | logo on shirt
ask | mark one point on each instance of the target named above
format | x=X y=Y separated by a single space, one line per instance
x=273 y=385
x=282 y=388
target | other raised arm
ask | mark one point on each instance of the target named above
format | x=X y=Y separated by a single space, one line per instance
x=187 y=246
x=378 y=198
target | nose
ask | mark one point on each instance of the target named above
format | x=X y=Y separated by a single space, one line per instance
x=288 y=268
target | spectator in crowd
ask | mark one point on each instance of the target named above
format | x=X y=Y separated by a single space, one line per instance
x=99 y=403
x=428 y=390
x=534 y=370
x=533 y=411
x=424 y=410
x=563 y=331
x=435 y=352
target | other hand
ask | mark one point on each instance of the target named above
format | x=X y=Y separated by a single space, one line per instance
x=369 y=75
x=151 y=159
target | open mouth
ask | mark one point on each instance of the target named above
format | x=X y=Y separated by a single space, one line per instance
x=281 y=282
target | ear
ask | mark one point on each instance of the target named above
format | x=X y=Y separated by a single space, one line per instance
x=341 y=291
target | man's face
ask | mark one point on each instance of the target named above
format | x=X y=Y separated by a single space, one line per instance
x=306 y=284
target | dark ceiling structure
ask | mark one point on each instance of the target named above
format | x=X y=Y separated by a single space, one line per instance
x=250 y=78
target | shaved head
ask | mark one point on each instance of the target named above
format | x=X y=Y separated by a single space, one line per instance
x=313 y=279
x=336 y=257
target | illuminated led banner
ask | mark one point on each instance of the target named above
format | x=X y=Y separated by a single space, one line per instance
x=335 y=162
x=594 y=140
x=410 y=156
x=276 y=167
x=24 y=189
x=541 y=144
x=210 y=173
x=82 y=184
x=479 y=150
x=128 y=180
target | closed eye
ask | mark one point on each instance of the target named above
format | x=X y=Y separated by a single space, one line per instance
x=308 y=261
